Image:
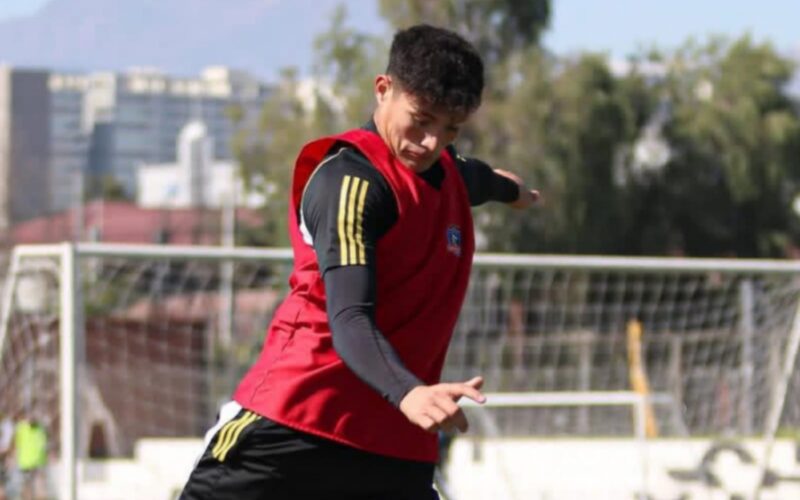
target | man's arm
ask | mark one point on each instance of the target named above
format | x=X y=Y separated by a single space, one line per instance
x=345 y=246
x=350 y=293
x=344 y=239
x=485 y=183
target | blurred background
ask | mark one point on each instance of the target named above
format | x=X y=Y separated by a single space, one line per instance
x=668 y=130
x=652 y=129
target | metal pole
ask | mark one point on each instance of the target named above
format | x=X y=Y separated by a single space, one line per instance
x=747 y=328
x=641 y=436
x=226 y=296
x=68 y=330
x=8 y=297
x=779 y=397
x=226 y=281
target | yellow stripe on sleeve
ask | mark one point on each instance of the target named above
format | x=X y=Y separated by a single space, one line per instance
x=341 y=220
x=351 y=220
x=362 y=258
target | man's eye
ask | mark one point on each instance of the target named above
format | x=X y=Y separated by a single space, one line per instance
x=420 y=122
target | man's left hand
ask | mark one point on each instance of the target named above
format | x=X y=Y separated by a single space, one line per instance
x=527 y=196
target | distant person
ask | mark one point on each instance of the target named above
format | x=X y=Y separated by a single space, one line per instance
x=345 y=401
x=30 y=447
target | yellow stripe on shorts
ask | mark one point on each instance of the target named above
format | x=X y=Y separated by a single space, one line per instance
x=230 y=434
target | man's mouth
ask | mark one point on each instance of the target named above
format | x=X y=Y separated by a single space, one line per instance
x=416 y=156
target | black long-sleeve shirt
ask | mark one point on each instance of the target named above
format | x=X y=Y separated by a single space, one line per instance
x=351 y=289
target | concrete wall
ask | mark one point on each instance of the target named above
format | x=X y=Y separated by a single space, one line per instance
x=496 y=469
x=613 y=469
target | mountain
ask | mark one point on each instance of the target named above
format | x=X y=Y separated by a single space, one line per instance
x=179 y=36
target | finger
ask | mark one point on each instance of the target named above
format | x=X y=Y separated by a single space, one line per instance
x=447 y=405
x=535 y=195
x=456 y=417
x=476 y=382
x=459 y=421
x=448 y=426
x=427 y=424
x=457 y=391
x=437 y=414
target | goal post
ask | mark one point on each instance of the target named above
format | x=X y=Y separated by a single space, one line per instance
x=114 y=344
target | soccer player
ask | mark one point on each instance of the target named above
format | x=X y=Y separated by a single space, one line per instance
x=345 y=399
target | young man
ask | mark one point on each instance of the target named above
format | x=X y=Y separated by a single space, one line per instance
x=345 y=399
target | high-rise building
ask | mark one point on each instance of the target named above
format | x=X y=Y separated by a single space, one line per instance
x=134 y=117
x=24 y=145
x=55 y=126
x=69 y=140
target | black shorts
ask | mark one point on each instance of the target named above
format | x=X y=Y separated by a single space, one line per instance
x=253 y=458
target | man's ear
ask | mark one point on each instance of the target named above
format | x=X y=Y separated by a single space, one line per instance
x=383 y=88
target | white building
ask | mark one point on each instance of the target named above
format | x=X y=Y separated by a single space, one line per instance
x=196 y=180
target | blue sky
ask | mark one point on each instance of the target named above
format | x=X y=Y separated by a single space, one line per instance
x=614 y=26
x=620 y=26
x=10 y=8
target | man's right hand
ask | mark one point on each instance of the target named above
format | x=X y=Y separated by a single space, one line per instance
x=435 y=408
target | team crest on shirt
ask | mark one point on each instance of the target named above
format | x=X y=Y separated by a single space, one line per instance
x=454 y=240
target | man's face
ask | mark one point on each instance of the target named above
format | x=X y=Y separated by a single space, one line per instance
x=415 y=131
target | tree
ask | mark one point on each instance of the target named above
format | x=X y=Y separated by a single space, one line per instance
x=106 y=187
x=298 y=111
x=570 y=127
x=498 y=28
x=736 y=134
x=346 y=63
x=266 y=154
x=559 y=124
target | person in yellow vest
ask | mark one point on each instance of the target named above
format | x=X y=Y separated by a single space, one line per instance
x=30 y=446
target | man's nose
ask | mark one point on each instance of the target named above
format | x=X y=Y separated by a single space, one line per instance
x=431 y=141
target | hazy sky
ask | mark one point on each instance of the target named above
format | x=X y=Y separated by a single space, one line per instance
x=10 y=8
x=620 y=26
x=615 y=26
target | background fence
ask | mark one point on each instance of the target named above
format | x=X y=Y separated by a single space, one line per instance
x=158 y=338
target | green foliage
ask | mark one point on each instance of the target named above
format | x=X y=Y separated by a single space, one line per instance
x=105 y=187
x=347 y=61
x=266 y=154
x=733 y=181
x=569 y=126
x=498 y=28
x=298 y=112
x=559 y=125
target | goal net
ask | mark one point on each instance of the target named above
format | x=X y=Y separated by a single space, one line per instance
x=108 y=345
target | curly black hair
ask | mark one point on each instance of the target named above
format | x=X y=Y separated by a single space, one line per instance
x=438 y=66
